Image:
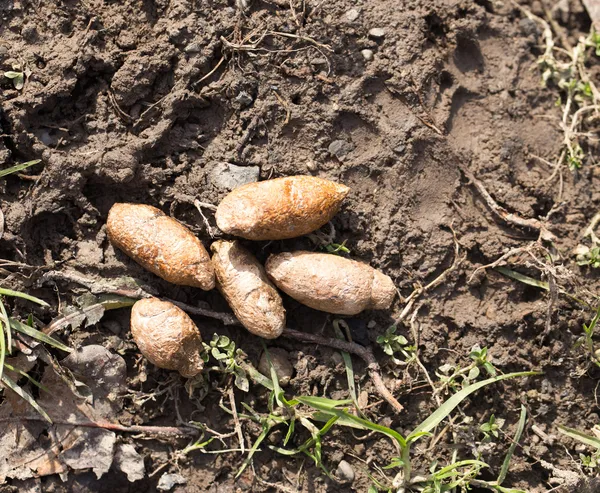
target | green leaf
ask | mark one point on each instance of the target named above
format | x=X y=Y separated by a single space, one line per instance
x=523 y=278
x=447 y=407
x=2 y=346
x=322 y=403
x=23 y=374
x=11 y=74
x=26 y=396
x=448 y=471
x=36 y=334
x=347 y=363
x=513 y=446
x=261 y=437
x=580 y=436
x=329 y=408
x=18 y=294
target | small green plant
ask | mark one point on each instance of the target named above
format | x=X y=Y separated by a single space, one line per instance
x=336 y=248
x=586 y=340
x=18 y=75
x=393 y=344
x=491 y=429
x=454 y=378
x=589 y=256
x=223 y=350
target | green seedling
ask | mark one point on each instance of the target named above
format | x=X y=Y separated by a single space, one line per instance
x=591 y=257
x=454 y=378
x=18 y=75
x=491 y=429
x=223 y=350
x=394 y=344
x=337 y=248
x=586 y=341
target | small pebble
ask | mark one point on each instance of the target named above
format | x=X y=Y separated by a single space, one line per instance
x=344 y=472
x=377 y=33
x=193 y=47
x=340 y=148
x=352 y=15
x=168 y=481
x=283 y=368
x=367 y=55
x=244 y=98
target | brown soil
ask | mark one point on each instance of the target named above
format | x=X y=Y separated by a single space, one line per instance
x=140 y=101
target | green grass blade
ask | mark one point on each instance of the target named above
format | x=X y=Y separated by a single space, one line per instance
x=36 y=334
x=347 y=363
x=25 y=296
x=252 y=451
x=26 y=396
x=517 y=276
x=2 y=348
x=5 y=322
x=24 y=374
x=513 y=445
x=322 y=403
x=448 y=471
x=18 y=167
x=580 y=436
x=447 y=407
x=345 y=418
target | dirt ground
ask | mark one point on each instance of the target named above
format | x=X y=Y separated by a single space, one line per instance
x=145 y=101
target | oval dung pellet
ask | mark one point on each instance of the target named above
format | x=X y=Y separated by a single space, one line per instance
x=330 y=283
x=244 y=284
x=167 y=336
x=160 y=244
x=281 y=208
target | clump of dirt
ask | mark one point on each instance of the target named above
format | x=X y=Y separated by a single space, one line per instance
x=155 y=102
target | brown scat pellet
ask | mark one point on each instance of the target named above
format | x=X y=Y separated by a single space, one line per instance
x=244 y=283
x=281 y=208
x=167 y=336
x=330 y=283
x=160 y=244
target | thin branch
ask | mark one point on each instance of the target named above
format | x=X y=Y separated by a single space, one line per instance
x=501 y=212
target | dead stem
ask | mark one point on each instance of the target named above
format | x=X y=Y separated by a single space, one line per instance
x=236 y=419
x=501 y=212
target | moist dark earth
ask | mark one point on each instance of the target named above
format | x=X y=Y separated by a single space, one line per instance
x=164 y=102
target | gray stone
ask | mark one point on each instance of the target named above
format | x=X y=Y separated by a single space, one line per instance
x=193 y=47
x=244 y=98
x=367 y=55
x=344 y=472
x=340 y=148
x=226 y=176
x=377 y=33
x=168 y=481
x=281 y=363
x=352 y=15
